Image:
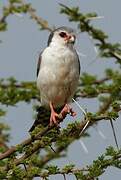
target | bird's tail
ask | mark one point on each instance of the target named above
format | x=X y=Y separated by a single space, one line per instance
x=42 y=117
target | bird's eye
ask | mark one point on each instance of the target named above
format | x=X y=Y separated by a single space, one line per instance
x=63 y=34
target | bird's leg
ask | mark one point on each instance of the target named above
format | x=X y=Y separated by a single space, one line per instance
x=68 y=109
x=53 y=116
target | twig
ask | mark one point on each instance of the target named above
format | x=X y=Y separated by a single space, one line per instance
x=114 y=134
x=42 y=133
x=107 y=162
x=30 y=140
x=105 y=106
x=64 y=176
x=43 y=23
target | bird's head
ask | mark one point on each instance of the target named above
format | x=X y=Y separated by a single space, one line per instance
x=62 y=36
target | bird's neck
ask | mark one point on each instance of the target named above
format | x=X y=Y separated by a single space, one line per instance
x=57 y=45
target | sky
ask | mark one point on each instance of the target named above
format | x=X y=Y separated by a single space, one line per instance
x=19 y=50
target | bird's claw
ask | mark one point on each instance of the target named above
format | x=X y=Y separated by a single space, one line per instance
x=68 y=109
x=53 y=118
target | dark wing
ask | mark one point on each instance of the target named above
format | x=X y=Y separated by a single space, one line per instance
x=39 y=63
x=50 y=38
x=78 y=61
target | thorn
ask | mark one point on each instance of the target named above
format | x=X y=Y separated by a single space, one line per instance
x=94 y=18
x=84 y=128
x=64 y=176
x=95 y=48
x=18 y=15
x=84 y=147
x=114 y=134
x=81 y=54
x=100 y=133
x=52 y=149
x=25 y=167
x=84 y=112
x=94 y=60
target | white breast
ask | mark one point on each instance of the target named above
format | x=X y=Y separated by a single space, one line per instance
x=58 y=76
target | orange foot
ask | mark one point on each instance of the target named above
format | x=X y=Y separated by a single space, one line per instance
x=68 y=109
x=53 y=116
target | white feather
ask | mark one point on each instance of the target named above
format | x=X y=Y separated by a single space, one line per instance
x=59 y=74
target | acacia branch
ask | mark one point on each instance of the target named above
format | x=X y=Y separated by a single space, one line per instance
x=104 y=163
x=30 y=140
x=105 y=106
x=43 y=23
x=30 y=10
x=107 y=49
x=41 y=134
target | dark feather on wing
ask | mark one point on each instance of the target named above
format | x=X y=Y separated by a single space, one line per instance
x=39 y=63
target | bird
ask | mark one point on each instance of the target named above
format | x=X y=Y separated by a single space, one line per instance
x=58 y=71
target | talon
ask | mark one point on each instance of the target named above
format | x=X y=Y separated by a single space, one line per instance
x=53 y=116
x=72 y=113
x=68 y=109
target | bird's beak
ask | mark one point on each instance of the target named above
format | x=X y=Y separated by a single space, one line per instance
x=70 y=38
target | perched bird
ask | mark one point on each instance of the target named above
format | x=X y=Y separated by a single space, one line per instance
x=58 y=72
